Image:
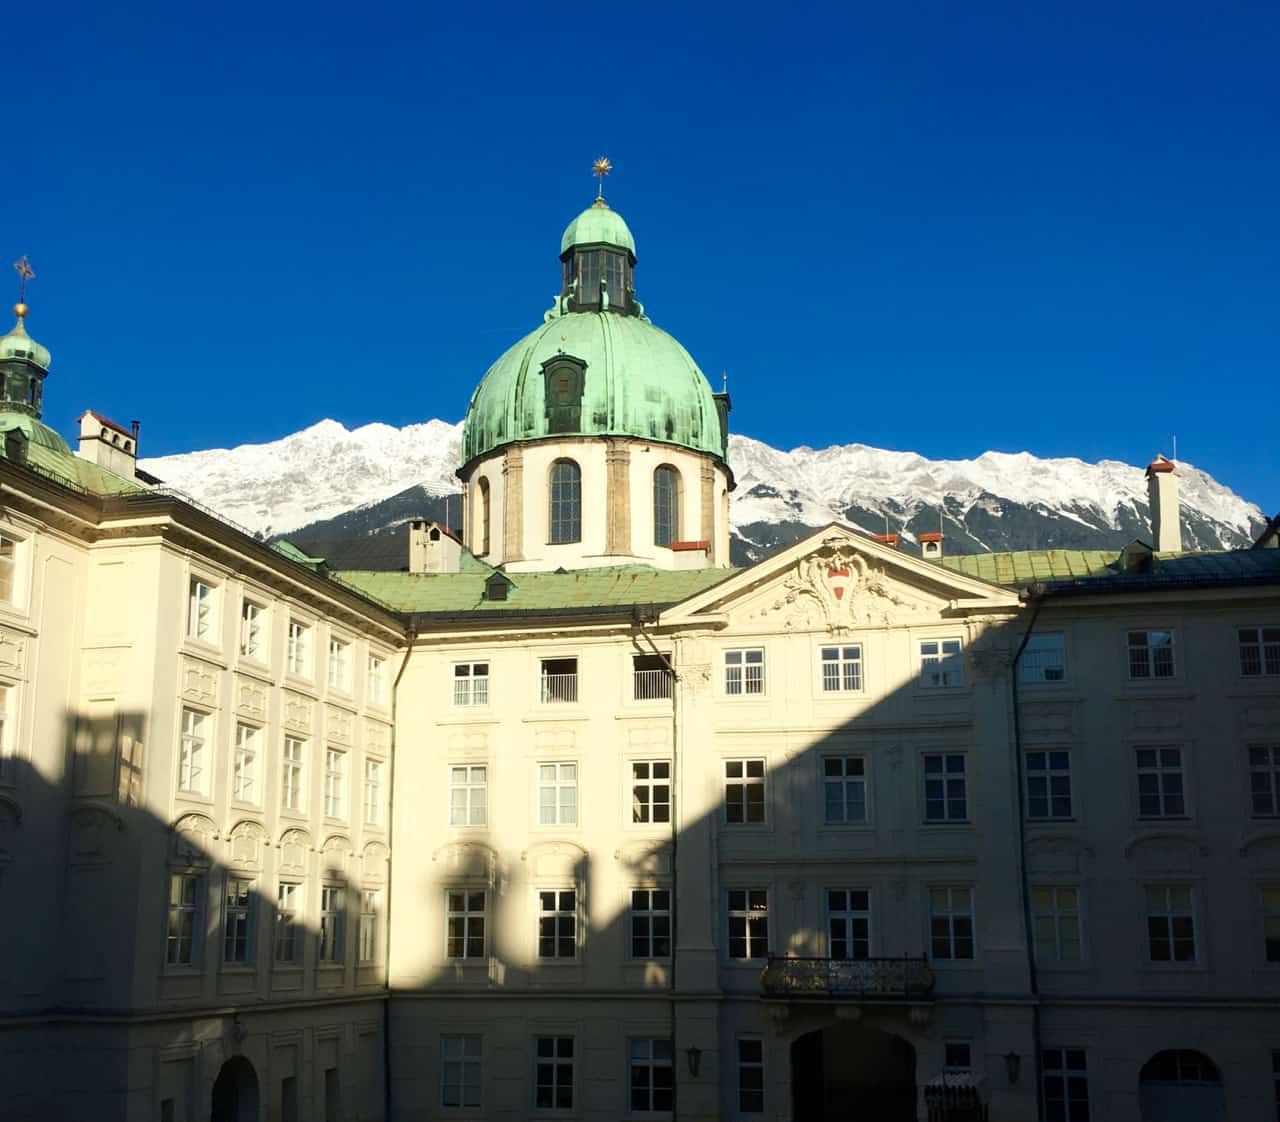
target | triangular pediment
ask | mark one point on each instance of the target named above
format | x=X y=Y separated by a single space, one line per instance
x=837 y=579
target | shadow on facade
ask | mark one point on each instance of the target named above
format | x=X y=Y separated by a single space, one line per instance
x=129 y=921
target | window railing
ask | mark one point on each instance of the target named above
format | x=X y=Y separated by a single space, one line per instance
x=870 y=978
x=652 y=685
x=559 y=688
x=471 y=691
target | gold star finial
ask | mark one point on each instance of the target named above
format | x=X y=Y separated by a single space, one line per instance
x=25 y=273
x=600 y=169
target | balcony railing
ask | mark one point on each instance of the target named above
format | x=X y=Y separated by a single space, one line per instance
x=882 y=979
x=559 y=688
x=652 y=685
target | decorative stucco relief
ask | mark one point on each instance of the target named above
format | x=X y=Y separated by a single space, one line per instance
x=473 y=861
x=193 y=838
x=377 y=737
x=247 y=840
x=336 y=853
x=373 y=861
x=294 y=847
x=251 y=698
x=339 y=724
x=835 y=587
x=13 y=650
x=199 y=682
x=645 y=858
x=297 y=713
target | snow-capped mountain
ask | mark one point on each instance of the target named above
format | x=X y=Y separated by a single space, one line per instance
x=327 y=484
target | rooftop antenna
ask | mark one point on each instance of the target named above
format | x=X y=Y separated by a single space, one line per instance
x=447 y=497
x=886 y=523
x=1175 y=448
x=600 y=169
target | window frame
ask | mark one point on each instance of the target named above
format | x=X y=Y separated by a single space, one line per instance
x=1268 y=659
x=1055 y=914
x=254 y=640
x=195 y=751
x=842 y=663
x=556 y=1062
x=368 y=945
x=652 y=914
x=648 y=783
x=951 y=915
x=194 y=910
x=202 y=628
x=843 y=781
x=1146 y=646
x=299 y=659
x=560 y=913
x=463 y=913
x=334 y=794
x=291 y=919
x=464 y=1061
x=331 y=935
x=848 y=916
x=1160 y=770
x=756 y=1103
x=948 y=663
x=558 y=785
x=249 y=749
x=340 y=661
x=1269 y=917
x=372 y=791
x=1060 y=1070
x=1048 y=774
x=747 y=911
x=469 y=697
x=666 y=514
x=293 y=795
x=946 y=777
x=8 y=741
x=13 y=563
x=468 y=786
x=1034 y=647
x=375 y=679
x=244 y=915
x=1270 y=768
x=747 y=783
x=1169 y=915
x=652 y=1062
x=744 y=679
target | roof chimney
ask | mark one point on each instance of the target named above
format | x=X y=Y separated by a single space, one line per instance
x=1162 y=494
x=891 y=540
x=109 y=445
x=432 y=548
x=931 y=546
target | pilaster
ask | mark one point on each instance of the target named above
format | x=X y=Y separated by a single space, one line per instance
x=513 y=504
x=708 y=534
x=617 y=458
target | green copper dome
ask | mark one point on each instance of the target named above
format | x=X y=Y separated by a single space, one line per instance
x=37 y=433
x=637 y=381
x=18 y=344
x=598 y=225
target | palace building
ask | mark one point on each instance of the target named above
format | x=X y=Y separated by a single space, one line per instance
x=567 y=818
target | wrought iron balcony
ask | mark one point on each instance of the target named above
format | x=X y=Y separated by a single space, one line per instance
x=559 y=688
x=652 y=685
x=871 y=979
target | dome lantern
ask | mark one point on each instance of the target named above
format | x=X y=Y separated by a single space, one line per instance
x=24 y=363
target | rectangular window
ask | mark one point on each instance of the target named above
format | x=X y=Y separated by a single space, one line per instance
x=558 y=794
x=751 y=1076
x=842 y=669
x=650 y=1076
x=288 y=901
x=8 y=567
x=1171 y=925
x=244 y=767
x=464 y=922
x=291 y=774
x=335 y=780
x=650 y=677
x=372 y=792
x=951 y=923
x=743 y=791
x=193 y=751
x=468 y=795
x=844 y=789
x=376 y=680
x=1271 y=921
x=558 y=924
x=748 y=923
x=1264 y=780
x=1056 y=916
x=7 y=752
x=941 y=665
x=1260 y=652
x=1043 y=659
x=460 y=1071
x=299 y=647
x=333 y=924
x=946 y=789
x=559 y=681
x=200 y=620
x=471 y=683
x=367 y=932
x=650 y=791
x=553 y=1073
x=253 y=630
x=744 y=671
x=1160 y=783
x=848 y=923
x=339 y=665
x=182 y=942
x=1150 y=654
x=237 y=942
x=957 y=1057
x=1048 y=784
x=650 y=923
x=1066 y=1085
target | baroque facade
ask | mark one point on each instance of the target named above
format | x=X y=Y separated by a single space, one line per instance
x=568 y=819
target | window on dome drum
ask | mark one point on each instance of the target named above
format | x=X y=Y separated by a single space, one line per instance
x=941 y=666
x=1171 y=924
x=842 y=669
x=559 y=681
x=483 y=536
x=1264 y=780
x=1066 y=1084
x=1151 y=654
x=650 y=791
x=566 y=503
x=844 y=789
x=651 y=680
x=848 y=923
x=8 y=565
x=553 y=1073
x=1260 y=652
x=1043 y=659
x=650 y=923
x=666 y=505
x=558 y=924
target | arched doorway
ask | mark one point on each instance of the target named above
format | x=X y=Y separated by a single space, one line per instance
x=235 y=1092
x=1181 y=1086
x=853 y=1073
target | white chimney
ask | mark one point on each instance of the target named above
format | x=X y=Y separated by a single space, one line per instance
x=432 y=548
x=1162 y=494
x=931 y=546
x=108 y=444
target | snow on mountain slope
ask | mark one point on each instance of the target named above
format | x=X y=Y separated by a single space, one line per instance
x=326 y=470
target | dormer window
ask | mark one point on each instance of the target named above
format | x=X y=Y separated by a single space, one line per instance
x=565 y=378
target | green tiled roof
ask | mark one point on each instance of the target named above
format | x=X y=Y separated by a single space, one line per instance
x=70 y=469
x=1095 y=568
x=584 y=589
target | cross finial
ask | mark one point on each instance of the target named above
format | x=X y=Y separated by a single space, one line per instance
x=600 y=169
x=25 y=273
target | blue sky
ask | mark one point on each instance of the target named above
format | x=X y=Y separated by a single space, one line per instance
x=940 y=227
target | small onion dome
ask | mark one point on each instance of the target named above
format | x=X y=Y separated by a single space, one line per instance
x=36 y=432
x=598 y=225
x=18 y=344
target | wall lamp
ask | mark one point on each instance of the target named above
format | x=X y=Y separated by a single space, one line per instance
x=1013 y=1067
x=694 y=1056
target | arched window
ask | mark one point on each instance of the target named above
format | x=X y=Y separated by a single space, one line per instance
x=31 y=392
x=566 y=502
x=484 y=516
x=666 y=505
x=1181 y=1084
